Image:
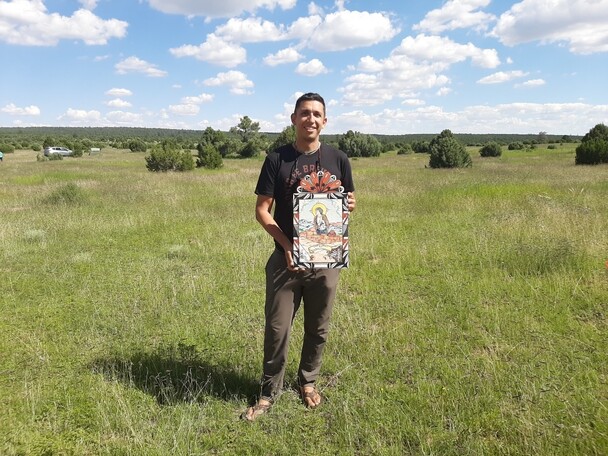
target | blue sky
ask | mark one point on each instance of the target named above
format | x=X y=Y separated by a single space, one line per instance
x=388 y=66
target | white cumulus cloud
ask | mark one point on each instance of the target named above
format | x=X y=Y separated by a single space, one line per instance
x=312 y=68
x=118 y=103
x=28 y=23
x=532 y=83
x=117 y=92
x=502 y=76
x=413 y=102
x=14 y=110
x=314 y=9
x=250 y=30
x=189 y=106
x=214 y=8
x=135 y=65
x=581 y=24
x=416 y=64
x=442 y=92
x=288 y=55
x=236 y=80
x=184 y=109
x=445 y=51
x=124 y=118
x=351 y=29
x=214 y=50
x=456 y=14
x=303 y=27
x=88 y=4
x=81 y=116
x=337 y=31
x=199 y=99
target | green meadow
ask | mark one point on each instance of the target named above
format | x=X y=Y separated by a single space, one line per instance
x=472 y=321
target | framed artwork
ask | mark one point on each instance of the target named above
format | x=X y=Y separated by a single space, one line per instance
x=320 y=222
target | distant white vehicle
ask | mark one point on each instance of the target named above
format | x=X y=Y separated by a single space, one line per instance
x=58 y=150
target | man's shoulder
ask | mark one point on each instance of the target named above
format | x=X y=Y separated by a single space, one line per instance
x=280 y=153
x=328 y=149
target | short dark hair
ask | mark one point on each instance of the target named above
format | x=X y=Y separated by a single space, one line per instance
x=310 y=96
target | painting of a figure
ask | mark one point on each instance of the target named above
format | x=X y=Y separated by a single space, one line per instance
x=321 y=230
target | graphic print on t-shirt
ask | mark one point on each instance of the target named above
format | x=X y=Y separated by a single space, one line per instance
x=320 y=182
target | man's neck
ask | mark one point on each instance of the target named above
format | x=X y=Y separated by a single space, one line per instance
x=305 y=147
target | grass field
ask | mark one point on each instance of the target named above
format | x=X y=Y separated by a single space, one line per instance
x=473 y=319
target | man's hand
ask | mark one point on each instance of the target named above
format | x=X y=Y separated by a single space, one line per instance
x=290 y=263
x=352 y=202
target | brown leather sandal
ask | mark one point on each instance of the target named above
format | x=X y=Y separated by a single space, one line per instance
x=312 y=394
x=255 y=411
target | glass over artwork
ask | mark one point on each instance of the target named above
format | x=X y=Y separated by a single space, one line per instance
x=320 y=230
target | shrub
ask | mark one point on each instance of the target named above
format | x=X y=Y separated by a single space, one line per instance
x=246 y=129
x=516 y=146
x=287 y=136
x=600 y=131
x=421 y=147
x=551 y=146
x=78 y=149
x=55 y=157
x=229 y=148
x=491 y=149
x=593 y=148
x=404 y=149
x=251 y=142
x=355 y=144
x=251 y=149
x=168 y=157
x=592 y=152
x=137 y=145
x=388 y=146
x=208 y=157
x=7 y=148
x=447 y=152
x=220 y=141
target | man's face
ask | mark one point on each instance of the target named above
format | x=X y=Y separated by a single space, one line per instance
x=309 y=119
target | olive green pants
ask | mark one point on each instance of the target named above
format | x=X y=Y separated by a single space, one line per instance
x=285 y=290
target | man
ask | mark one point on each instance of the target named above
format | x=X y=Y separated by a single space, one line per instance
x=286 y=284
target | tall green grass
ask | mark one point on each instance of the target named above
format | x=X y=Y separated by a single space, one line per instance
x=472 y=320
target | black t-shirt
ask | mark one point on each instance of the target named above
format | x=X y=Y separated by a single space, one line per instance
x=284 y=168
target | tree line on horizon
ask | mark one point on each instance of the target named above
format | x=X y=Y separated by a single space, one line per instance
x=25 y=137
x=171 y=149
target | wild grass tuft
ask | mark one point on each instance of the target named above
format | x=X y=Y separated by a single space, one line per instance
x=541 y=256
x=35 y=236
x=70 y=194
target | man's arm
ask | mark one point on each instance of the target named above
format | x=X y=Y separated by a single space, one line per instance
x=263 y=206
